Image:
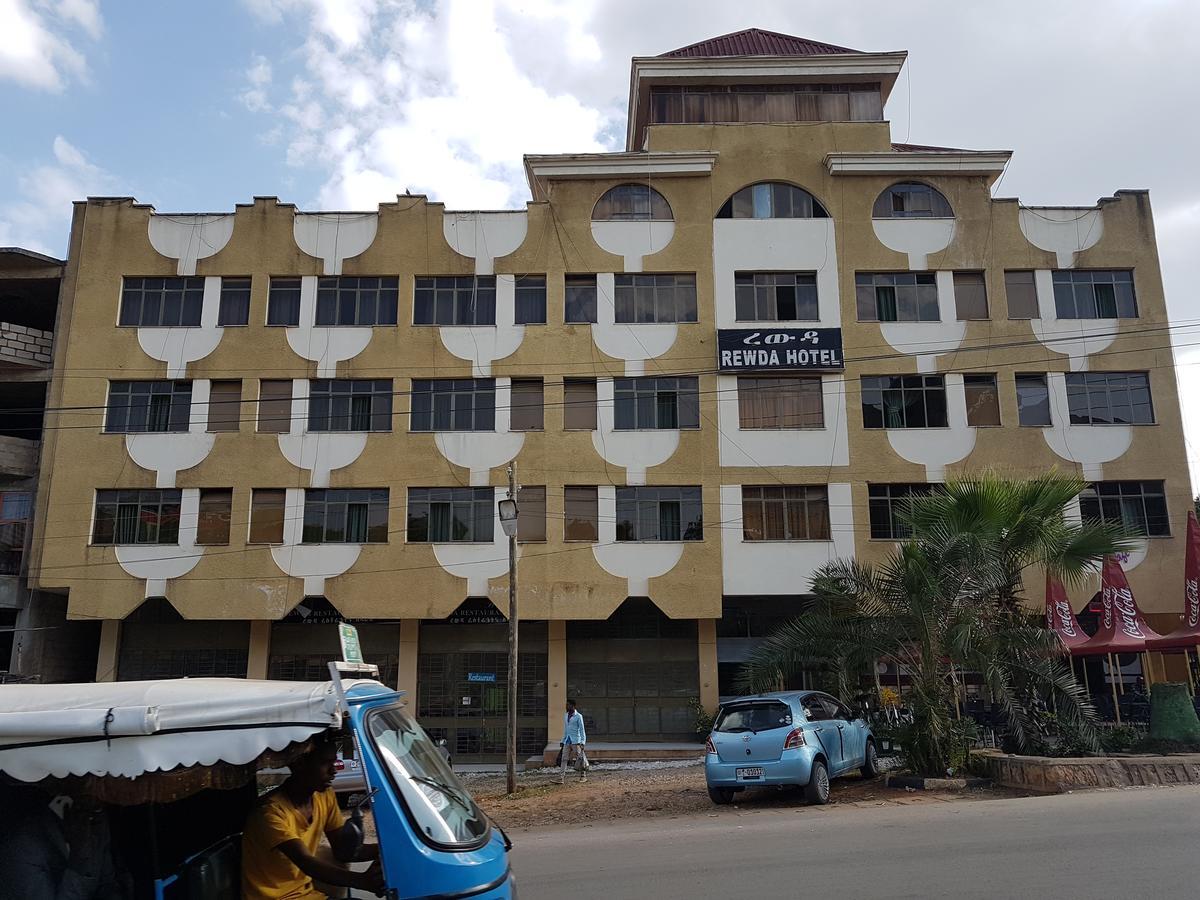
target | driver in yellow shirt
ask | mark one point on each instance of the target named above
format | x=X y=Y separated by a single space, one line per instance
x=279 y=844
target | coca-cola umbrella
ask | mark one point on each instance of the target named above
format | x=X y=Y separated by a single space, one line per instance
x=1187 y=635
x=1061 y=619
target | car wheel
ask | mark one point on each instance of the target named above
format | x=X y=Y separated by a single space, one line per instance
x=720 y=796
x=870 y=766
x=816 y=792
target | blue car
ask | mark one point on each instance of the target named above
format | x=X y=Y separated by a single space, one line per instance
x=800 y=738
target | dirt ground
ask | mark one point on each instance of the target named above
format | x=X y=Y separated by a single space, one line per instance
x=621 y=792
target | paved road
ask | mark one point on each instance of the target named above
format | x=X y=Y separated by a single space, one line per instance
x=1118 y=844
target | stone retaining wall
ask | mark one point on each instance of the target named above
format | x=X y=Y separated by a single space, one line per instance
x=1049 y=775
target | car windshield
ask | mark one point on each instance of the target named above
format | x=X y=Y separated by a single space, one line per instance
x=438 y=803
x=753 y=717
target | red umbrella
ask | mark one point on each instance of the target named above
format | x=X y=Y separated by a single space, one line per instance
x=1187 y=635
x=1059 y=617
x=1123 y=626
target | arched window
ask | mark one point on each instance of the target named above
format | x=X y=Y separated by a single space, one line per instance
x=772 y=200
x=912 y=200
x=632 y=203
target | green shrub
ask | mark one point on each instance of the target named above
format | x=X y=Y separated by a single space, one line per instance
x=702 y=719
x=1119 y=738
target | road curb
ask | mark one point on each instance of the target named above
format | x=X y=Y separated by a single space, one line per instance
x=917 y=783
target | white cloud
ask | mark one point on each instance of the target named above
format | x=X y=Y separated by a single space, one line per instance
x=34 y=49
x=40 y=216
x=258 y=83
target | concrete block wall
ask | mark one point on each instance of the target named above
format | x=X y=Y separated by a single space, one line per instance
x=24 y=345
x=18 y=456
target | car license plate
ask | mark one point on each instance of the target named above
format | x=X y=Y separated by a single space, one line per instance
x=753 y=772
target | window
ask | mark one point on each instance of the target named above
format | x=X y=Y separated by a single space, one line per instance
x=275 y=405
x=530 y=300
x=767 y=103
x=455 y=300
x=161 y=302
x=655 y=298
x=983 y=400
x=136 y=517
x=632 y=203
x=354 y=516
x=1033 y=399
x=772 y=200
x=970 y=296
x=235 y=302
x=526 y=409
x=454 y=404
x=780 y=402
x=898 y=297
x=791 y=513
x=1141 y=506
x=346 y=404
x=579 y=404
x=1021 y=292
x=15 y=509
x=139 y=406
x=659 y=514
x=775 y=296
x=579 y=299
x=283 y=302
x=266 y=515
x=356 y=300
x=216 y=510
x=1109 y=398
x=886 y=503
x=441 y=515
x=912 y=200
x=655 y=403
x=903 y=401
x=531 y=513
x=225 y=405
x=581 y=514
x=1094 y=294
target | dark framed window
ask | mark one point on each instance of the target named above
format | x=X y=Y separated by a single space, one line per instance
x=453 y=404
x=1021 y=292
x=896 y=297
x=581 y=513
x=235 y=302
x=656 y=403
x=1094 y=294
x=530 y=300
x=446 y=515
x=531 y=513
x=346 y=404
x=983 y=400
x=776 y=296
x=777 y=403
x=216 y=512
x=904 y=401
x=1109 y=398
x=912 y=200
x=970 y=296
x=579 y=299
x=772 y=200
x=579 y=404
x=353 y=516
x=275 y=405
x=632 y=203
x=785 y=513
x=886 y=503
x=15 y=510
x=526 y=406
x=655 y=298
x=1033 y=399
x=1141 y=506
x=139 y=406
x=357 y=300
x=455 y=300
x=767 y=103
x=659 y=514
x=266 y=515
x=161 y=302
x=225 y=405
x=283 y=302
x=136 y=517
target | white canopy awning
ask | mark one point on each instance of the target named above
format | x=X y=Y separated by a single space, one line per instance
x=127 y=729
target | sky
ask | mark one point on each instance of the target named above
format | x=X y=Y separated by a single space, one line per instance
x=342 y=104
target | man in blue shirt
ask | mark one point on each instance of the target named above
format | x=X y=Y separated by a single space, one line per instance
x=573 y=741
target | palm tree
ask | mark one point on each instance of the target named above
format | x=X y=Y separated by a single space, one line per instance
x=951 y=597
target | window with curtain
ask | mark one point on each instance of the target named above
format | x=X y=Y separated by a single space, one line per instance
x=283 y=302
x=531 y=513
x=357 y=300
x=1033 y=399
x=225 y=405
x=1109 y=398
x=904 y=401
x=530 y=300
x=148 y=406
x=1021 y=293
x=266 y=515
x=161 y=302
x=785 y=513
x=656 y=403
x=912 y=200
x=775 y=296
x=235 y=302
x=752 y=103
x=970 y=296
x=784 y=402
x=527 y=407
x=983 y=400
x=454 y=300
x=350 y=404
x=1140 y=506
x=581 y=513
x=353 y=516
x=579 y=299
x=772 y=200
x=632 y=203
x=655 y=298
x=659 y=514
x=274 y=405
x=1094 y=294
x=136 y=517
x=896 y=297
x=453 y=404
x=216 y=511
x=446 y=515
x=579 y=404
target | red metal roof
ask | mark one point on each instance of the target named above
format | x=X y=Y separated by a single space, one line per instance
x=757 y=42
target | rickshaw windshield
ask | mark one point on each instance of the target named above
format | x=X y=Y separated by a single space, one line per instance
x=438 y=805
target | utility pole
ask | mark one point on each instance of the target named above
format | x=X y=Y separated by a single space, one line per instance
x=508 y=520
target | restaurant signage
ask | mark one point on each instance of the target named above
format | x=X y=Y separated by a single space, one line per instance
x=779 y=349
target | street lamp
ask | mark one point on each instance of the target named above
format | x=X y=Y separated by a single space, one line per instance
x=507 y=508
